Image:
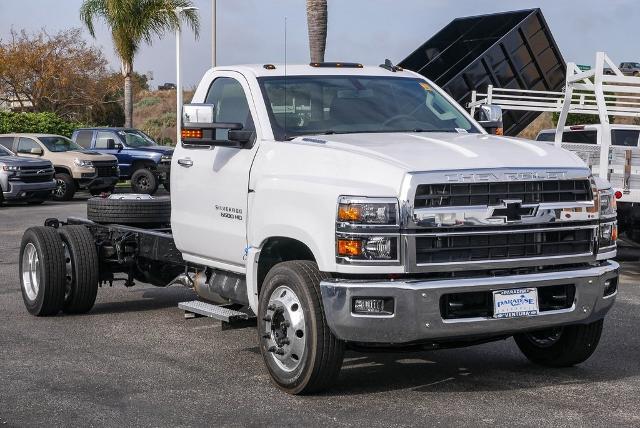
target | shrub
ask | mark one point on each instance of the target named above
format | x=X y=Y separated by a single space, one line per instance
x=46 y=123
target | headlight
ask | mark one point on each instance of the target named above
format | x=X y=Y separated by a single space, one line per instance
x=367 y=211
x=165 y=158
x=607 y=202
x=368 y=248
x=83 y=163
x=12 y=168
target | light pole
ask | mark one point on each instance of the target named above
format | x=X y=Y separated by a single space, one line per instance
x=213 y=33
x=178 y=11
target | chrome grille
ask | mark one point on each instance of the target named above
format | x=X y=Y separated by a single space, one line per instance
x=529 y=192
x=457 y=248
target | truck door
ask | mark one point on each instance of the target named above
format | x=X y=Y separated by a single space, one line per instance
x=209 y=185
x=103 y=144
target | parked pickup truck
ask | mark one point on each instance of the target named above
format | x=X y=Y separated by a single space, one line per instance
x=140 y=159
x=75 y=167
x=350 y=207
x=30 y=180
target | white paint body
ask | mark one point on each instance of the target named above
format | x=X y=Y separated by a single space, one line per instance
x=290 y=188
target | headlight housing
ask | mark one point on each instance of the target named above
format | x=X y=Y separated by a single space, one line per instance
x=165 y=158
x=11 y=168
x=83 y=163
x=607 y=202
x=367 y=230
x=368 y=211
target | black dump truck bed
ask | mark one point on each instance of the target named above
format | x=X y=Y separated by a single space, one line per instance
x=508 y=50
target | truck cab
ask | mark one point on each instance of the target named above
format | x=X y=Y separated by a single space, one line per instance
x=358 y=207
x=140 y=158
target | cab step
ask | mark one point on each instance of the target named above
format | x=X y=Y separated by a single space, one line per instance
x=197 y=308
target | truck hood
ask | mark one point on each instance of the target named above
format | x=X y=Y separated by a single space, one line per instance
x=87 y=154
x=449 y=151
x=163 y=150
x=20 y=161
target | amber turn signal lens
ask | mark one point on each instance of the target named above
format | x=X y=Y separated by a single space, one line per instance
x=347 y=212
x=614 y=233
x=499 y=131
x=349 y=247
x=191 y=133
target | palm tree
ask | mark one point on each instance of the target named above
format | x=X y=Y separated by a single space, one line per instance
x=317 y=25
x=133 y=22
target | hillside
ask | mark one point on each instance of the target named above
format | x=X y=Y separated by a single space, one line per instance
x=155 y=113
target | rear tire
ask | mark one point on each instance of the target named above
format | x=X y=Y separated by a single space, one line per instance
x=560 y=347
x=65 y=187
x=42 y=271
x=300 y=352
x=156 y=211
x=82 y=274
x=144 y=181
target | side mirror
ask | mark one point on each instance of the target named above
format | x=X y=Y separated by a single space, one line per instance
x=37 y=151
x=490 y=118
x=111 y=144
x=199 y=128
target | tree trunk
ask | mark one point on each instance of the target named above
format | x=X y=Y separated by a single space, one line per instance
x=128 y=102
x=317 y=26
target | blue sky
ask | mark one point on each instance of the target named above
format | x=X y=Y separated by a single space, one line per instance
x=367 y=31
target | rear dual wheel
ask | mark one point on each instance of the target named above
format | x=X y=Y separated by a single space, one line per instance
x=58 y=270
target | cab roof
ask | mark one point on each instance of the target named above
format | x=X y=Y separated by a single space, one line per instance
x=324 y=69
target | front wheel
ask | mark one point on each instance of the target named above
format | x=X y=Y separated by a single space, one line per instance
x=65 y=187
x=300 y=352
x=560 y=346
x=144 y=181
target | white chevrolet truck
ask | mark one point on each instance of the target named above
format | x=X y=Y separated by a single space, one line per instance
x=350 y=207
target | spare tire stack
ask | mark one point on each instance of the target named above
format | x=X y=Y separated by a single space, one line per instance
x=142 y=212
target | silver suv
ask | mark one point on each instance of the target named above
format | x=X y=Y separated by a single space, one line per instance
x=25 y=179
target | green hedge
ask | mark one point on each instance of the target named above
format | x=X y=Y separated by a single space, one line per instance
x=46 y=123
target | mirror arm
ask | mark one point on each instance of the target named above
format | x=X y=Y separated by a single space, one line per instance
x=216 y=125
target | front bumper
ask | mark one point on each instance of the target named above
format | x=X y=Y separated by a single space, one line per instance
x=20 y=190
x=417 y=315
x=98 y=182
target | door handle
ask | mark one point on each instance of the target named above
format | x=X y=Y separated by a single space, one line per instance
x=185 y=162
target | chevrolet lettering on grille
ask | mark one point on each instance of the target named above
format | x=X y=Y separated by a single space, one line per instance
x=508 y=176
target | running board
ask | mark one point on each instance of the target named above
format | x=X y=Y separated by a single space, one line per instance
x=197 y=308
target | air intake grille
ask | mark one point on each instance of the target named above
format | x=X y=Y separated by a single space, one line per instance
x=529 y=192
x=491 y=247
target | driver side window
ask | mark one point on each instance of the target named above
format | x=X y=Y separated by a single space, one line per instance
x=230 y=103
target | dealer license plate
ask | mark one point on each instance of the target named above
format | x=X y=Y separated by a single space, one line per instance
x=517 y=302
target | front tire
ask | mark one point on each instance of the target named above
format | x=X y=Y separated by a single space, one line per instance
x=298 y=348
x=42 y=277
x=561 y=346
x=144 y=181
x=65 y=187
x=81 y=266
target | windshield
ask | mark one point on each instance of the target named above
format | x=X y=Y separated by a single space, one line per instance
x=352 y=104
x=135 y=138
x=5 y=152
x=59 y=144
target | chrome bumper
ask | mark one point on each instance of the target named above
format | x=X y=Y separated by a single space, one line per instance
x=417 y=315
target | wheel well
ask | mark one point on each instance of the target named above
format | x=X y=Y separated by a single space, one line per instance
x=142 y=164
x=280 y=249
x=62 y=170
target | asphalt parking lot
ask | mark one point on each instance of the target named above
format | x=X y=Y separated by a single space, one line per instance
x=135 y=360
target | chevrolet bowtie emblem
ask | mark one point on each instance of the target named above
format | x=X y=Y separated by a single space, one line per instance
x=512 y=211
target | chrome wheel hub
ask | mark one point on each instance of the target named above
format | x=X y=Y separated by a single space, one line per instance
x=30 y=271
x=285 y=327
